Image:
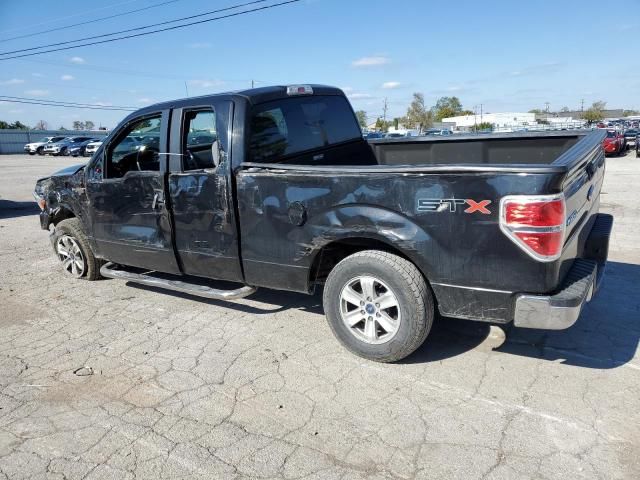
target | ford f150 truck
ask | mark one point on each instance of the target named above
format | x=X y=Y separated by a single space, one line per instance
x=275 y=187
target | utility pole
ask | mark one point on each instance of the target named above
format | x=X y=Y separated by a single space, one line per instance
x=475 y=118
x=186 y=88
x=582 y=108
x=252 y=83
x=385 y=106
x=480 y=113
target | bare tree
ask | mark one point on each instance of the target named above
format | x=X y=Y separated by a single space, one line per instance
x=89 y=125
x=78 y=125
x=41 y=125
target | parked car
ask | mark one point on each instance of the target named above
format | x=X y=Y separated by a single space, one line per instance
x=374 y=135
x=37 y=147
x=638 y=146
x=614 y=143
x=437 y=132
x=291 y=197
x=92 y=146
x=78 y=149
x=63 y=147
x=630 y=136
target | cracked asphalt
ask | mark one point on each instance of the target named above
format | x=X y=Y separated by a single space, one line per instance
x=185 y=388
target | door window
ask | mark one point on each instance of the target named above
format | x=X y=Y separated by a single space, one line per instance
x=137 y=148
x=200 y=146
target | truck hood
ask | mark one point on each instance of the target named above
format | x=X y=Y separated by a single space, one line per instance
x=73 y=169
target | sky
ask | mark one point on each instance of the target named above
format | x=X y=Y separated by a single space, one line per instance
x=506 y=56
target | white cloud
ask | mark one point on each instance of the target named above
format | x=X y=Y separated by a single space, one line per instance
x=67 y=77
x=77 y=60
x=390 y=85
x=16 y=111
x=371 y=61
x=13 y=81
x=37 y=75
x=200 y=45
x=206 y=83
x=37 y=92
x=347 y=90
x=145 y=100
x=359 y=96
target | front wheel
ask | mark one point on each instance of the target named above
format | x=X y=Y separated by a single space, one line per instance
x=378 y=305
x=40 y=151
x=74 y=252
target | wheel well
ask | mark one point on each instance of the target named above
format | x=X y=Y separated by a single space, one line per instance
x=333 y=253
x=62 y=214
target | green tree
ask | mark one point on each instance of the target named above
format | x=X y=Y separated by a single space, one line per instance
x=417 y=113
x=482 y=126
x=78 y=125
x=361 y=115
x=537 y=111
x=466 y=112
x=18 y=125
x=3 y=125
x=595 y=112
x=88 y=125
x=447 y=107
x=564 y=109
x=626 y=113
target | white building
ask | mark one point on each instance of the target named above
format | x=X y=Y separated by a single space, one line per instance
x=500 y=121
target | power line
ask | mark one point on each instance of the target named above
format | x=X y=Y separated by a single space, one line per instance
x=47 y=103
x=89 y=21
x=233 y=7
x=59 y=101
x=156 y=31
x=70 y=16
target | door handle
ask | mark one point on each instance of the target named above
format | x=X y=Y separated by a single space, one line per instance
x=157 y=201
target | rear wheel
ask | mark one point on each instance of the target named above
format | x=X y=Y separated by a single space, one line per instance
x=74 y=252
x=378 y=305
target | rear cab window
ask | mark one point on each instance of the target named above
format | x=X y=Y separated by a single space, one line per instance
x=285 y=129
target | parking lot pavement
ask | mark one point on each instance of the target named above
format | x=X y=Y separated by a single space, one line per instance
x=172 y=386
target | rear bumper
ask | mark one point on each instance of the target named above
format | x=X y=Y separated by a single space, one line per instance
x=562 y=309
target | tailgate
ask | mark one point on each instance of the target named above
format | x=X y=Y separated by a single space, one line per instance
x=581 y=188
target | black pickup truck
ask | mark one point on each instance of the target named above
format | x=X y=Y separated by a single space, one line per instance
x=276 y=187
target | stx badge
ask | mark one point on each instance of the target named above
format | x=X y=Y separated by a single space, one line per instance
x=452 y=205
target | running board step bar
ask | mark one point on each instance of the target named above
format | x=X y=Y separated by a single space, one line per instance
x=111 y=270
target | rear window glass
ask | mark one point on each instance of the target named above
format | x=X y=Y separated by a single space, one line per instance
x=283 y=128
x=611 y=134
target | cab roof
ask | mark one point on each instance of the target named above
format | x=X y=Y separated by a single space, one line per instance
x=252 y=95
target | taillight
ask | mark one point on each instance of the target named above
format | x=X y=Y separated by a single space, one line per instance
x=536 y=224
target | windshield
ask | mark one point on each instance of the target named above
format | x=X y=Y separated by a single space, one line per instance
x=611 y=135
x=294 y=125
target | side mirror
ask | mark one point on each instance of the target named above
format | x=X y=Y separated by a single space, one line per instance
x=95 y=169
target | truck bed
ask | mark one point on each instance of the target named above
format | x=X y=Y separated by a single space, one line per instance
x=496 y=149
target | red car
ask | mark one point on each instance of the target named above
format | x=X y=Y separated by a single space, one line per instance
x=614 y=143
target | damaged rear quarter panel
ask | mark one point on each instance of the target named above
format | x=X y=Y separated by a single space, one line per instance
x=450 y=247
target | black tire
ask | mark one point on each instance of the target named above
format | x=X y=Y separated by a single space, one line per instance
x=40 y=151
x=32 y=153
x=415 y=304
x=73 y=228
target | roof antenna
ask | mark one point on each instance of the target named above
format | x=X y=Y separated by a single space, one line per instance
x=186 y=88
